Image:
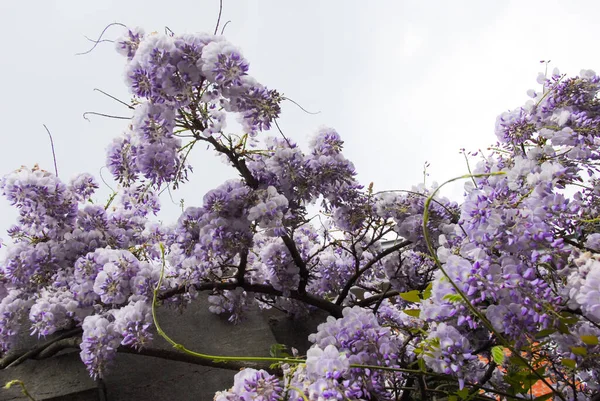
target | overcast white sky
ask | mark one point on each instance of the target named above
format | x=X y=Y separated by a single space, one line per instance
x=403 y=82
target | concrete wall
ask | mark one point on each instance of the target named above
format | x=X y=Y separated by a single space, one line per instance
x=134 y=377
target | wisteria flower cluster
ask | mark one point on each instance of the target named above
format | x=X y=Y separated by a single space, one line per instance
x=427 y=297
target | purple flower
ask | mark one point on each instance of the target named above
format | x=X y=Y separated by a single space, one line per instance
x=46 y=206
x=12 y=309
x=99 y=345
x=223 y=64
x=54 y=310
x=449 y=352
x=515 y=127
x=121 y=159
x=83 y=186
x=326 y=363
x=127 y=44
x=112 y=281
x=133 y=323
x=251 y=384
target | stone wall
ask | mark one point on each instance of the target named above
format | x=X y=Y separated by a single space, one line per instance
x=142 y=378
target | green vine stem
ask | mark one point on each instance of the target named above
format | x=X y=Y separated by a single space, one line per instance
x=23 y=388
x=470 y=306
x=212 y=358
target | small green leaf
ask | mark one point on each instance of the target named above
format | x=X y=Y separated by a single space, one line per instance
x=544 y=397
x=544 y=333
x=464 y=393
x=427 y=291
x=515 y=360
x=568 y=318
x=452 y=398
x=278 y=351
x=581 y=351
x=452 y=298
x=589 y=340
x=541 y=371
x=412 y=312
x=411 y=296
x=562 y=328
x=570 y=363
x=498 y=354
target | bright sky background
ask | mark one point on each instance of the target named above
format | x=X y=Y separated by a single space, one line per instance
x=403 y=82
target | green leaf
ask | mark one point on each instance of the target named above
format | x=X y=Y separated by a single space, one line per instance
x=544 y=397
x=422 y=365
x=529 y=378
x=278 y=351
x=464 y=393
x=589 y=340
x=570 y=363
x=562 y=328
x=515 y=360
x=498 y=354
x=544 y=333
x=411 y=296
x=452 y=398
x=581 y=351
x=568 y=318
x=412 y=312
x=541 y=371
x=427 y=291
x=452 y=297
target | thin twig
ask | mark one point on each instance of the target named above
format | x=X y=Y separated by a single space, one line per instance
x=367 y=266
x=281 y=132
x=103 y=115
x=301 y=108
x=223 y=30
x=114 y=98
x=104 y=181
x=219 y=17
x=53 y=153
x=100 y=37
x=99 y=41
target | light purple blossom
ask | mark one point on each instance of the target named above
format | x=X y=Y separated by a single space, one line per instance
x=253 y=385
x=449 y=352
x=99 y=345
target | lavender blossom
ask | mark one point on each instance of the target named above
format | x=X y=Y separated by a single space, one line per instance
x=99 y=345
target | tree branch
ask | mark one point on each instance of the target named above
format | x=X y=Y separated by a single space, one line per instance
x=18 y=358
x=240 y=165
x=329 y=307
x=366 y=267
x=376 y=298
x=291 y=246
x=237 y=162
x=74 y=343
x=241 y=280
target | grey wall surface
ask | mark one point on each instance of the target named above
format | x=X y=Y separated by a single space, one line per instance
x=141 y=378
